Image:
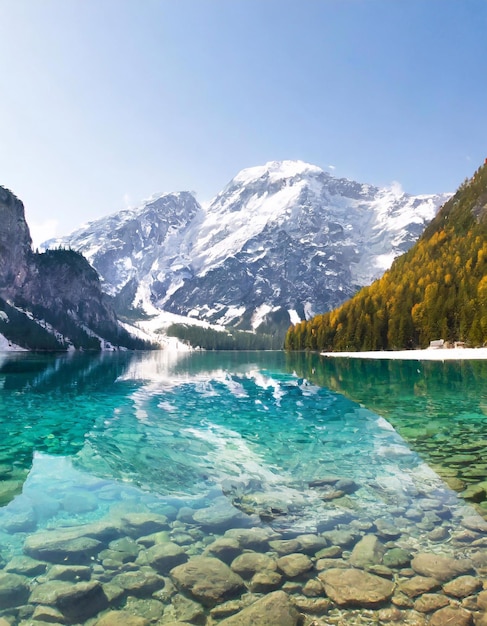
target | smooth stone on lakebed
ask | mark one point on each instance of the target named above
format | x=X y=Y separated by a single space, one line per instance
x=140 y=524
x=220 y=516
x=443 y=568
x=274 y=608
x=26 y=566
x=417 y=585
x=455 y=616
x=354 y=587
x=429 y=602
x=310 y=543
x=368 y=551
x=121 y=618
x=476 y=523
x=249 y=563
x=293 y=565
x=207 y=579
x=139 y=582
x=70 y=573
x=9 y=489
x=252 y=538
x=397 y=557
x=77 y=602
x=163 y=557
x=285 y=546
x=265 y=581
x=224 y=548
x=56 y=547
x=463 y=586
x=14 y=590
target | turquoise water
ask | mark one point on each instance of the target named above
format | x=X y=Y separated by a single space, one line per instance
x=176 y=427
x=254 y=437
x=440 y=408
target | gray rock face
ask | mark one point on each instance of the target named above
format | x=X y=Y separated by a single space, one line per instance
x=208 y=580
x=15 y=243
x=284 y=236
x=58 y=287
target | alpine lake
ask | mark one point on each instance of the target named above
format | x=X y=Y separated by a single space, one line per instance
x=241 y=488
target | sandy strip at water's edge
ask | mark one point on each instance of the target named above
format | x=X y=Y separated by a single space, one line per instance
x=445 y=354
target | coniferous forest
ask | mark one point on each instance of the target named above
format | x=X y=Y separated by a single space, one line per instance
x=437 y=290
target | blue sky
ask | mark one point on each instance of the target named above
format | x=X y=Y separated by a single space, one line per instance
x=104 y=102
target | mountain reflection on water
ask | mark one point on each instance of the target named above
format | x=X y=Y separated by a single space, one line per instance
x=439 y=407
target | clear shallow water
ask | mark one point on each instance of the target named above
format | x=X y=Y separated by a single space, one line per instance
x=248 y=438
x=440 y=408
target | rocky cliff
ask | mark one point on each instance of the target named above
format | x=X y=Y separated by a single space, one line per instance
x=51 y=300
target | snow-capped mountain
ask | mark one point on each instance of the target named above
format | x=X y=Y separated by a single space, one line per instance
x=285 y=238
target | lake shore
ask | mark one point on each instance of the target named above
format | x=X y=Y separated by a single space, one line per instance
x=445 y=354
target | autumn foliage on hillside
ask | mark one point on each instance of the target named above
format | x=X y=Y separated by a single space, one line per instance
x=436 y=290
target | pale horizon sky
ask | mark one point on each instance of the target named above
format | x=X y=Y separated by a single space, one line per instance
x=106 y=102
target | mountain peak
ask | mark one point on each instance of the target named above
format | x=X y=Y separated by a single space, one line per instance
x=284 y=236
x=277 y=170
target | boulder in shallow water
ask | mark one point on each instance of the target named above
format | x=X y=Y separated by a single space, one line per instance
x=223 y=548
x=220 y=516
x=9 y=489
x=208 y=580
x=293 y=565
x=417 y=585
x=271 y=610
x=443 y=568
x=164 y=556
x=59 y=547
x=367 y=552
x=121 y=618
x=429 y=602
x=26 y=566
x=354 y=587
x=463 y=586
x=249 y=563
x=77 y=602
x=14 y=590
x=141 y=582
x=451 y=616
x=139 y=524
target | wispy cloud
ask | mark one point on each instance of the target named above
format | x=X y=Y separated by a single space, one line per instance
x=42 y=231
x=126 y=200
x=332 y=167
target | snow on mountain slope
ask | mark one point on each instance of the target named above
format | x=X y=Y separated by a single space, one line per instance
x=284 y=239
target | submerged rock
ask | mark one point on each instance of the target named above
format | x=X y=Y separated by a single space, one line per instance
x=271 y=610
x=56 y=547
x=443 y=568
x=249 y=563
x=367 y=552
x=463 y=586
x=121 y=618
x=293 y=565
x=220 y=517
x=353 y=587
x=207 y=579
x=455 y=616
x=14 y=590
x=163 y=557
